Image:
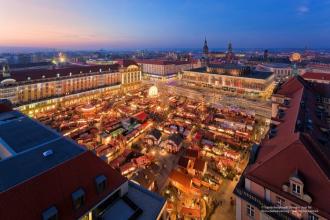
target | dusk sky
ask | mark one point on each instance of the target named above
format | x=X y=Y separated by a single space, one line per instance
x=83 y=24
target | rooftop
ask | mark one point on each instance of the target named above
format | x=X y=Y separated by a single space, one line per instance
x=29 y=132
x=316 y=76
x=299 y=144
x=163 y=62
x=277 y=65
x=44 y=74
x=149 y=204
x=255 y=74
x=55 y=187
x=37 y=149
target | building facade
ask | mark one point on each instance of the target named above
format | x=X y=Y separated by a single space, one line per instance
x=163 y=69
x=37 y=85
x=282 y=71
x=231 y=78
x=318 y=67
x=288 y=173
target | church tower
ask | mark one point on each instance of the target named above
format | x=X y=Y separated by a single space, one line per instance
x=205 y=48
x=230 y=48
x=5 y=71
x=229 y=54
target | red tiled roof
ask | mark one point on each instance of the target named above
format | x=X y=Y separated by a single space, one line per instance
x=276 y=168
x=199 y=165
x=290 y=87
x=180 y=178
x=54 y=187
x=126 y=63
x=292 y=150
x=34 y=74
x=141 y=116
x=316 y=76
x=183 y=162
x=192 y=153
x=198 y=136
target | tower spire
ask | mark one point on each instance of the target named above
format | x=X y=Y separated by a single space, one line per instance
x=230 y=47
x=205 y=47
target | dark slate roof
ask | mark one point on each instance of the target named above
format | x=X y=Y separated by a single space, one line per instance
x=23 y=133
x=228 y=66
x=37 y=74
x=253 y=74
x=199 y=70
x=27 y=141
x=277 y=65
x=20 y=168
x=176 y=138
x=29 y=65
x=258 y=74
x=156 y=133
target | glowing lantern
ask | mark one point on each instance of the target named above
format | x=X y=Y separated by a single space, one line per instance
x=153 y=91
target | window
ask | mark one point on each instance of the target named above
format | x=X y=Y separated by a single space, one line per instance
x=101 y=183
x=280 y=201
x=50 y=214
x=312 y=217
x=78 y=198
x=250 y=210
x=295 y=188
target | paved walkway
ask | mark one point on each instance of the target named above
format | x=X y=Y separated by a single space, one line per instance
x=225 y=211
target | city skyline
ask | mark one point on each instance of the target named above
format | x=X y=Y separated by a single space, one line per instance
x=171 y=24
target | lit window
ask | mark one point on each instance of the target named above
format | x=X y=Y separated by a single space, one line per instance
x=295 y=188
x=78 y=198
x=250 y=210
x=312 y=217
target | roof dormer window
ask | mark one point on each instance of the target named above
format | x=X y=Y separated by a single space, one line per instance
x=296 y=184
x=296 y=188
x=78 y=198
x=101 y=183
x=50 y=214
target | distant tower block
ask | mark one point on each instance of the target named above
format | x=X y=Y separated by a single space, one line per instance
x=266 y=55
